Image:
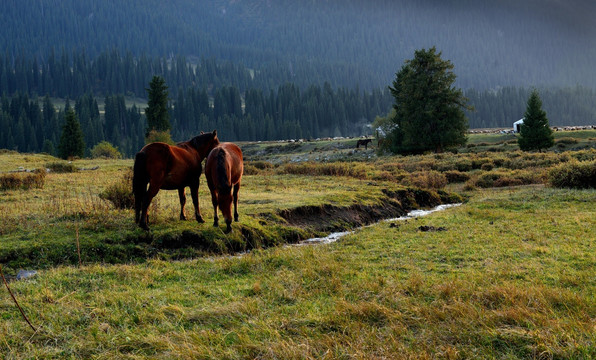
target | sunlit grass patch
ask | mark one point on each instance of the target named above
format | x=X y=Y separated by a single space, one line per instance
x=494 y=284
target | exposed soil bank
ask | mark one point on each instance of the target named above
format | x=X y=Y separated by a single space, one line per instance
x=329 y=218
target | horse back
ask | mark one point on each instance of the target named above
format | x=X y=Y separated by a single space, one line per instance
x=176 y=165
x=236 y=163
x=224 y=165
x=158 y=157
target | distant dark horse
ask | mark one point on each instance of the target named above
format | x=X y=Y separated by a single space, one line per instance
x=363 y=142
x=170 y=167
x=223 y=170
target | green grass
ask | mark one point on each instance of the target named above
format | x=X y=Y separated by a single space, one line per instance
x=44 y=227
x=512 y=277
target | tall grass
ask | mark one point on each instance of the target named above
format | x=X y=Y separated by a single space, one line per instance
x=351 y=169
x=120 y=192
x=23 y=180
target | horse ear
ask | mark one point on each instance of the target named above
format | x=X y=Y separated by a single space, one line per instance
x=201 y=133
x=214 y=132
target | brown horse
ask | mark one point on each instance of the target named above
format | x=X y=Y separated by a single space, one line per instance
x=364 y=143
x=223 y=170
x=170 y=167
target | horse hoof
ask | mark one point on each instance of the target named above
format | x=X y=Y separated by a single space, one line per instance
x=228 y=230
x=200 y=219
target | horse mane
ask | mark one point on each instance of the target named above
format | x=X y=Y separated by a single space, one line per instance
x=199 y=141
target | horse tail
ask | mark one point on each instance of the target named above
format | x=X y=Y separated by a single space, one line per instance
x=140 y=178
x=223 y=173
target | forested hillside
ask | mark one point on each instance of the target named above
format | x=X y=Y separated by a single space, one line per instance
x=34 y=124
x=343 y=42
x=267 y=70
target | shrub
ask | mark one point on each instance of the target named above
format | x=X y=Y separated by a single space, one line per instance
x=573 y=174
x=426 y=180
x=254 y=167
x=385 y=176
x=507 y=181
x=250 y=169
x=487 y=180
x=463 y=165
x=159 y=136
x=25 y=181
x=120 y=193
x=567 y=141
x=470 y=185
x=487 y=166
x=327 y=169
x=105 y=150
x=587 y=155
x=454 y=176
x=421 y=165
x=507 y=178
x=62 y=167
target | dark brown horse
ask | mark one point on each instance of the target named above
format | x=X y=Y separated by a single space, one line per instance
x=170 y=167
x=223 y=170
x=364 y=143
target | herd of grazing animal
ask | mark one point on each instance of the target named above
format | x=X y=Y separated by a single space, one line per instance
x=167 y=167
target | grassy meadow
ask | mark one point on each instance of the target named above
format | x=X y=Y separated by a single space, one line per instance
x=509 y=274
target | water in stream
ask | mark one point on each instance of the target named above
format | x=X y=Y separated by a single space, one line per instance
x=333 y=237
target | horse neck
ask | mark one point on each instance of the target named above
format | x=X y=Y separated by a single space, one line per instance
x=203 y=147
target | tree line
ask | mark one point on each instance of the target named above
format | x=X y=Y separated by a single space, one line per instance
x=74 y=74
x=500 y=108
x=288 y=113
x=35 y=124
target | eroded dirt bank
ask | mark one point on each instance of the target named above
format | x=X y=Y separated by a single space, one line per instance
x=328 y=218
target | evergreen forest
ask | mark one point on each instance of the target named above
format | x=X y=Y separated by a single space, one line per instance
x=270 y=70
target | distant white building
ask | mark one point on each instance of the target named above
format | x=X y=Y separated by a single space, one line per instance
x=517 y=125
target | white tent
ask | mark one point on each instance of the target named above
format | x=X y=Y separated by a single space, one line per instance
x=517 y=125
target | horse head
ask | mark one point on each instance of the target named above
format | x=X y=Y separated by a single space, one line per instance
x=204 y=142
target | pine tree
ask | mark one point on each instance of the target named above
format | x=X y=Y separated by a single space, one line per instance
x=535 y=132
x=429 y=113
x=158 y=118
x=71 y=140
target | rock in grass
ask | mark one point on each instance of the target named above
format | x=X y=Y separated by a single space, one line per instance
x=26 y=274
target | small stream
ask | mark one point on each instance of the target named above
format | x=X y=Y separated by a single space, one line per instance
x=333 y=237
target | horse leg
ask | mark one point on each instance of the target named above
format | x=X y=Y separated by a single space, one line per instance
x=214 y=202
x=182 y=197
x=194 y=194
x=149 y=195
x=235 y=194
x=228 y=226
x=138 y=207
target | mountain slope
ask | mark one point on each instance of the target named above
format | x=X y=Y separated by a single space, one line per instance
x=492 y=44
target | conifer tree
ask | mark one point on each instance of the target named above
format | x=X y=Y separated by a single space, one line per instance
x=535 y=132
x=429 y=109
x=71 y=141
x=158 y=118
